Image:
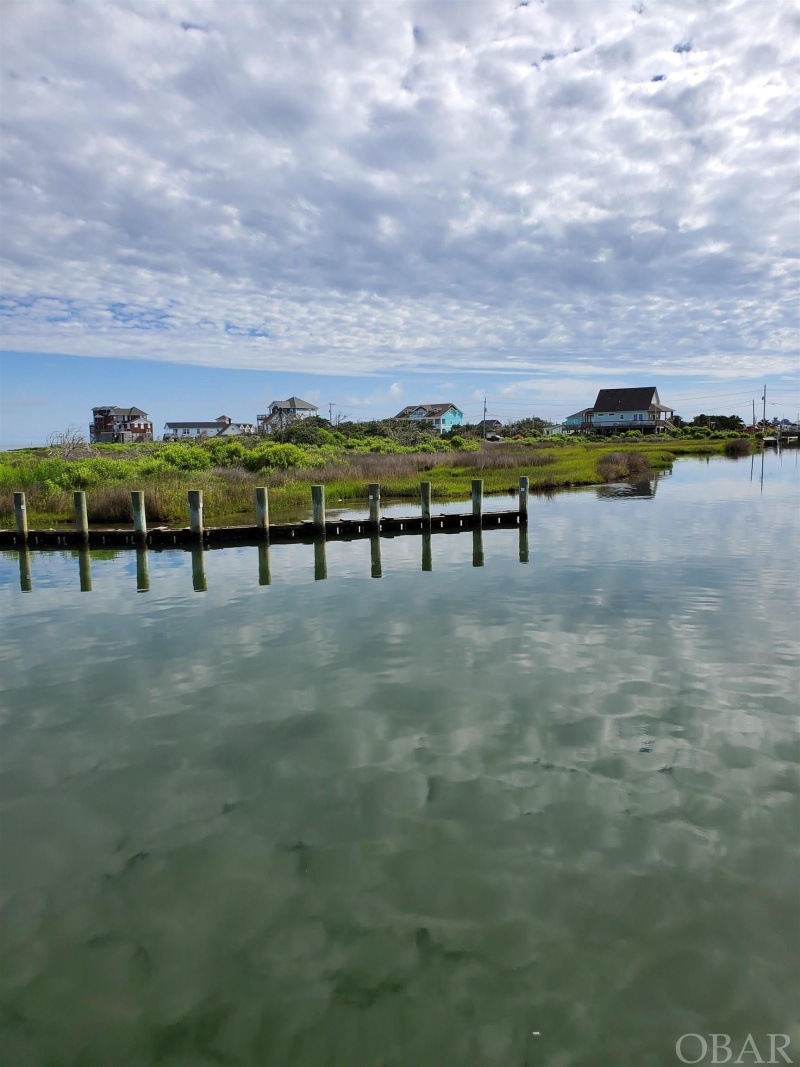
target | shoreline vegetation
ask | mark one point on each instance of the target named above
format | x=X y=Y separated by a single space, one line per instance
x=228 y=471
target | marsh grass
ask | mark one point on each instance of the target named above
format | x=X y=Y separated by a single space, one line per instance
x=740 y=446
x=623 y=467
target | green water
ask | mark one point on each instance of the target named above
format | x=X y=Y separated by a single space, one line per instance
x=410 y=819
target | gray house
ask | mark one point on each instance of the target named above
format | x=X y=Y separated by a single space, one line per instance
x=282 y=413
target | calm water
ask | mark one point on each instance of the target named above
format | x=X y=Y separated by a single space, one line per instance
x=410 y=821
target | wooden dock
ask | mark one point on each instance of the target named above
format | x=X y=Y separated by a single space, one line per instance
x=318 y=528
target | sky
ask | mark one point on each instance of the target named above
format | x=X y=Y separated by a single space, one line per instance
x=207 y=206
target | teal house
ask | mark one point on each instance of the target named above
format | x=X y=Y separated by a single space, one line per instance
x=441 y=416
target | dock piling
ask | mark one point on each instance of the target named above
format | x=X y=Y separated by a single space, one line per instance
x=81 y=516
x=375 y=504
x=196 y=513
x=524 y=485
x=477 y=498
x=318 y=506
x=425 y=500
x=21 y=512
x=139 y=515
x=262 y=512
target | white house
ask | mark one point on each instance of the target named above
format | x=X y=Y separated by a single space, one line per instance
x=283 y=413
x=223 y=426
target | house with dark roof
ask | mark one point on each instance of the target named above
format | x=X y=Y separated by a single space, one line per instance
x=618 y=410
x=113 y=425
x=282 y=413
x=442 y=417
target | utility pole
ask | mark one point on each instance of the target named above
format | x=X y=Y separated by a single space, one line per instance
x=484 y=418
x=330 y=413
x=754 y=417
x=764 y=398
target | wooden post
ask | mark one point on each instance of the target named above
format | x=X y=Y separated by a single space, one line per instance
x=523 y=542
x=139 y=515
x=425 y=498
x=264 y=574
x=376 y=570
x=24 y=569
x=375 y=504
x=320 y=560
x=199 y=583
x=523 y=498
x=85 y=569
x=142 y=570
x=427 y=558
x=81 y=517
x=262 y=512
x=318 y=506
x=477 y=498
x=21 y=511
x=477 y=547
x=196 y=512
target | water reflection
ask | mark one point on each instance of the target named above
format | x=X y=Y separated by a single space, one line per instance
x=199 y=582
x=477 y=547
x=401 y=822
x=25 y=583
x=376 y=569
x=85 y=569
x=320 y=560
x=142 y=570
x=264 y=571
x=427 y=556
x=523 y=543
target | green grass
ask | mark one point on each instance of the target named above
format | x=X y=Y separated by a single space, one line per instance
x=166 y=473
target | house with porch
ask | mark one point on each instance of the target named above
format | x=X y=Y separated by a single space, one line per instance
x=442 y=417
x=618 y=410
x=119 y=426
x=282 y=413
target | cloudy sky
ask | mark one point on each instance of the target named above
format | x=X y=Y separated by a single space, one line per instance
x=378 y=203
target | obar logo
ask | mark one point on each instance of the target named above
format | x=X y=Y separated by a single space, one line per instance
x=718 y=1048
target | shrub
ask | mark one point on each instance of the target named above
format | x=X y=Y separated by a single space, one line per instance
x=462 y=444
x=224 y=453
x=276 y=457
x=185 y=457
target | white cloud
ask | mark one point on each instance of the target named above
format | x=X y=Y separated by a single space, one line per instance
x=571 y=188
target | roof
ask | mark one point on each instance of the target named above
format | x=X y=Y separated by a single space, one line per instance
x=121 y=411
x=293 y=402
x=639 y=399
x=431 y=410
x=191 y=425
x=579 y=414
